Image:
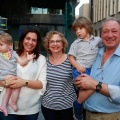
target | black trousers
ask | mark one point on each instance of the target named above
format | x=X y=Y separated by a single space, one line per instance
x=50 y=114
x=18 y=117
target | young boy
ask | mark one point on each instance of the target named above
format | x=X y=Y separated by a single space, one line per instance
x=8 y=66
x=82 y=53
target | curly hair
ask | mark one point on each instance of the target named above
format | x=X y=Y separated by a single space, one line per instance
x=83 y=22
x=49 y=36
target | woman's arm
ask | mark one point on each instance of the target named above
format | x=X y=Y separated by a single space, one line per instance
x=28 y=83
x=7 y=79
x=34 y=84
x=2 y=83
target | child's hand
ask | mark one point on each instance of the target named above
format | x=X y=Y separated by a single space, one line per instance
x=31 y=56
x=81 y=69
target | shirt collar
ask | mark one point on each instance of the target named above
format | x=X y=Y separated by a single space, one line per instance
x=117 y=51
x=79 y=40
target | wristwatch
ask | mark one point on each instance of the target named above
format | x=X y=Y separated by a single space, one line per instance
x=98 y=87
x=26 y=83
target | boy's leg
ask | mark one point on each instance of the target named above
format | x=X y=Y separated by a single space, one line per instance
x=77 y=108
x=5 y=101
x=14 y=98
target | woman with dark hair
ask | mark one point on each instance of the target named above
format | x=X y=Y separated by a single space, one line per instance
x=36 y=51
x=31 y=78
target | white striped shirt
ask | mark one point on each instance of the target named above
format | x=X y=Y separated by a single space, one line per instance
x=60 y=92
x=84 y=51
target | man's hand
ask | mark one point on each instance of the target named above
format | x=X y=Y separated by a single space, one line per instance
x=85 y=82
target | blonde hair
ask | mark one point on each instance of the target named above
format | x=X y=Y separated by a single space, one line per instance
x=5 y=37
x=49 y=36
x=83 y=22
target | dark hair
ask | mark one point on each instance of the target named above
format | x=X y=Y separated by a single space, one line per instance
x=36 y=51
x=83 y=22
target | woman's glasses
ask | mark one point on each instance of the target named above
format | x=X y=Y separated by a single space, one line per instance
x=55 y=41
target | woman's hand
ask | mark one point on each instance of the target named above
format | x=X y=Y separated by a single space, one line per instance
x=19 y=82
x=9 y=78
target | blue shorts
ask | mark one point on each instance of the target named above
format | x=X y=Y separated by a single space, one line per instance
x=75 y=73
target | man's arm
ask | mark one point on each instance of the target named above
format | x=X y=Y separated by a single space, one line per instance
x=2 y=83
x=114 y=93
x=86 y=83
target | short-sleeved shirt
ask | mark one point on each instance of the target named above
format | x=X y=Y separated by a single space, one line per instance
x=8 y=67
x=85 y=51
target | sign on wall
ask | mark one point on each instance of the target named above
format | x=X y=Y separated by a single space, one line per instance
x=3 y=23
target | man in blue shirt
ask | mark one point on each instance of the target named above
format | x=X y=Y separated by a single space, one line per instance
x=104 y=102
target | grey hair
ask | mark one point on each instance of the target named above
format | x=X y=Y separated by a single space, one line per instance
x=110 y=19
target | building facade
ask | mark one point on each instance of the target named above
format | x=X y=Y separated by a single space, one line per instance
x=84 y=10
x=45 y=15
x=100 y=9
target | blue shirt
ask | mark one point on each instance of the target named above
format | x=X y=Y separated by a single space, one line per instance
x=109 y=74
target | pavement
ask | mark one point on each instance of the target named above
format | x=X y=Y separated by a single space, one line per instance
x=40 y=117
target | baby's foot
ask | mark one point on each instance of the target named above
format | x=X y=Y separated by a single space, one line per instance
x=14 y=106
x=4 y=110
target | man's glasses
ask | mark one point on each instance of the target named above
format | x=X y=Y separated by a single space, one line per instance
x=55 y=41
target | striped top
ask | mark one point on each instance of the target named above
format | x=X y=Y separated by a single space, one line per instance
x=60 y=92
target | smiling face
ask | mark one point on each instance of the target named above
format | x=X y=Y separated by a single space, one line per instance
x=30 y=42
x=111 y=34
x=56 y=44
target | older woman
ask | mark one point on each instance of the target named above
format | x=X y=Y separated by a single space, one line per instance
x=58 y=99
x=31 y=80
